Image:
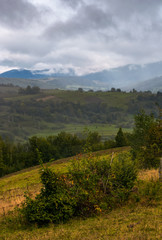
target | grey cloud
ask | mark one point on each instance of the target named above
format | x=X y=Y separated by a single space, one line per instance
x=74 y=57
x=7 y=62
x=88 y=18
x=17 y=13
x=135 y=12
x=111 y=19
x=128 y=7
x=72 y=3
x=135 y=19
x=32 y=46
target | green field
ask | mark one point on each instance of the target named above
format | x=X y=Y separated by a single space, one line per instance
x=105 y=130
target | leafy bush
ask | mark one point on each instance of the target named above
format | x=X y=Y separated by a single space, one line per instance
x=124 y=170
x=98 y=182
x=91 y=184
x=53 y=204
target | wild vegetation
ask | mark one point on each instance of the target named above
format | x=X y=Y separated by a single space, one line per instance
x=93 y=185
x=139 y=218
x=90 y=185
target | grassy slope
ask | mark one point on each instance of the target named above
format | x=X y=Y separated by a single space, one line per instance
x=136 y=223
x=30 y=176
x=13 y=186
x=129 y=222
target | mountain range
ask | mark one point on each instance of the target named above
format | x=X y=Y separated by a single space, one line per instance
x=141 y=77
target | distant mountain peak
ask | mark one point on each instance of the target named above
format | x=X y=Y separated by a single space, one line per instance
x=124 y=77
x=38 y=74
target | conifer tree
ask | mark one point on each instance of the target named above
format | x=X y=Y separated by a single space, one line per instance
x=120 y=138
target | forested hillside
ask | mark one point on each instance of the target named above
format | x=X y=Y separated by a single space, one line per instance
x=30 y=111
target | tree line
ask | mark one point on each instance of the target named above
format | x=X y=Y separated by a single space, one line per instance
x=17 y=156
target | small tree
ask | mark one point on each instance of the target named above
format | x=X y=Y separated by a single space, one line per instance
x=120 y=138
x=80 y=90
x=147 y=140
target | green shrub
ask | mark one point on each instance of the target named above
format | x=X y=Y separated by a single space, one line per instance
x=91 y=184
x=98 y=182
x=53 y=204
x=124 y=171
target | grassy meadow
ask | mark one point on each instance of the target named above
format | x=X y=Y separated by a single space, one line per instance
x=129 y=222
x=135 y=220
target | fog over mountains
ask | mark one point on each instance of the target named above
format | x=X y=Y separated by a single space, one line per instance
x=141 y=77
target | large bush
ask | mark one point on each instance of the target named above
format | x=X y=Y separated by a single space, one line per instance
x=101 y=181
x=90 y=185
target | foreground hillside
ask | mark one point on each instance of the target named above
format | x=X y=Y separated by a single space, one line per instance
x=13 y=186
x=127 y=223
x=25 y=113
x=135 y=220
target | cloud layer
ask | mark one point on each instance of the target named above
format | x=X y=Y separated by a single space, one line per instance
x=87 y=35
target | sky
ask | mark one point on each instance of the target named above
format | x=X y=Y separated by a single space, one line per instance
x=86 y=35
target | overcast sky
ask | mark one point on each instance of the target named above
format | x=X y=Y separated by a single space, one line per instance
x=87 y=35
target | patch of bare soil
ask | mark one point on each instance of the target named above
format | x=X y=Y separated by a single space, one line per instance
x=44 y=99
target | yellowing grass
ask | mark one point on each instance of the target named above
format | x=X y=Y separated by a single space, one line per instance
x=148 y=175
x=126 y=223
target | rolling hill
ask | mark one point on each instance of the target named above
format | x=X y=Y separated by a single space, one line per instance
x=51 y=111
x=153 y=85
